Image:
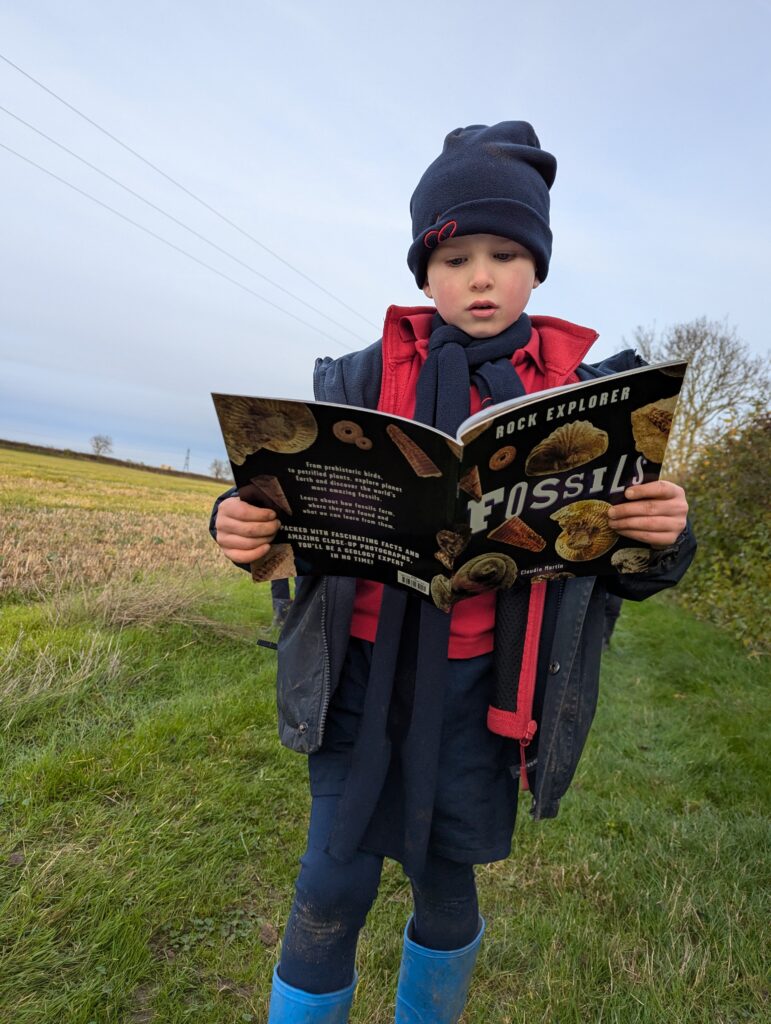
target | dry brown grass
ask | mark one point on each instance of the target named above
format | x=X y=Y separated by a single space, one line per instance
x=43 y=550
x=155 y=600
x=32 y=673
x=40 y=666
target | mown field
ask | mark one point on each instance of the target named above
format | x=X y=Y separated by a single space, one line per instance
x=150 y=823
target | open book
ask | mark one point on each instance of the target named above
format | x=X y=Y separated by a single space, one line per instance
x=521 y=492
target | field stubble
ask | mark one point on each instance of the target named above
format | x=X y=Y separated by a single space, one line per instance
x=46 y=550
x=67 y=524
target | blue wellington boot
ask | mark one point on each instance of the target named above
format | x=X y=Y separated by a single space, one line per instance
x=293 y=1006
x=434 y=983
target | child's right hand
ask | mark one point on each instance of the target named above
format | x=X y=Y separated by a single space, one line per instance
x=245 y=532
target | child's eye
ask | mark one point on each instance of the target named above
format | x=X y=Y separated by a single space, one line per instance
x=504 y=257
x=456 y=261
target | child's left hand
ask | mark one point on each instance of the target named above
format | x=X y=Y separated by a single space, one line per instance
x=653 y=513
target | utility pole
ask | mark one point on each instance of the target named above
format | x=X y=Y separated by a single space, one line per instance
x=186 y=467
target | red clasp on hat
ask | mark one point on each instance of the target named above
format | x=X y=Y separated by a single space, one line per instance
x=433 y=238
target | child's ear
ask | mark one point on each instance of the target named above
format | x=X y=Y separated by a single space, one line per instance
x=536 y=282
x=427 y=291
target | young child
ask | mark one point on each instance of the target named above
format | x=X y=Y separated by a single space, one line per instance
x=388 y=695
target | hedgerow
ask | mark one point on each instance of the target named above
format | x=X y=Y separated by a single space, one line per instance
x=731 y=513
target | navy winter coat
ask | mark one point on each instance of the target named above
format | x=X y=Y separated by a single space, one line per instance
x=315 y=636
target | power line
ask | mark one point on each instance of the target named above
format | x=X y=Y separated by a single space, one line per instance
x=172 y=245
x=180 y=223
x=187 y=191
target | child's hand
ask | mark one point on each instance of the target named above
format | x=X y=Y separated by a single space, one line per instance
x=245 y=532
x=653 y=513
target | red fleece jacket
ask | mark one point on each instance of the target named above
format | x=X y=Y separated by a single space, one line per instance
x=549 y=359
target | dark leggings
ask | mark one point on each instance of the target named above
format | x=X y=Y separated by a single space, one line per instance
x=332 y=901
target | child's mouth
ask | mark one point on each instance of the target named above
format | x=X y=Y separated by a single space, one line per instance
x=482 y=310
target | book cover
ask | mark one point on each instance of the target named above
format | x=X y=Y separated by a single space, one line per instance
x=521 y=492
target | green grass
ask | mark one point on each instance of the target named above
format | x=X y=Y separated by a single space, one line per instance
x=151 y=823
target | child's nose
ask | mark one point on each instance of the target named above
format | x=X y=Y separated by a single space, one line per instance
x=481 y=276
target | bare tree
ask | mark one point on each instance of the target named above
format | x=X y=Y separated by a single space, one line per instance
x=219 y=469
x=101 y=444
x=724 y=381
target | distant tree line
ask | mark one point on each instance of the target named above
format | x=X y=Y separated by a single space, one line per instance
x=101 y=444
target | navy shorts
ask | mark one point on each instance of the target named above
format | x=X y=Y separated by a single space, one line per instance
x=475 y=806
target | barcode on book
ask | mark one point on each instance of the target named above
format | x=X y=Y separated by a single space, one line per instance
x=414 y=582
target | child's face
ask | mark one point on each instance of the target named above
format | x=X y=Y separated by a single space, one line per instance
x=480 y=283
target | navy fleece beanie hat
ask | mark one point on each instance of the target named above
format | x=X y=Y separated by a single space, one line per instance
x=487 y=180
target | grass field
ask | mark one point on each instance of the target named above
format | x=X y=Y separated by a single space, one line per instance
x=150 y=822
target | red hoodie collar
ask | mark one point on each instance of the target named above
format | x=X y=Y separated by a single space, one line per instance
x=563 y=344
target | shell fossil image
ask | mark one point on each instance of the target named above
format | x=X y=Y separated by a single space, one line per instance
x=347 y=431
x=570 y=445
x=631 y=559
x=503 y=457
x=441 y=593
x=471 y=484
x=277 y=564
x=516 y=532
x=586 y=532
x=266 y=491
x=651 y=425
x=249 y=424
x=451 y=544
x=418 y=460
x=484 y=572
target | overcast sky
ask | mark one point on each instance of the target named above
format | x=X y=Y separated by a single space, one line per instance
x=308 y=125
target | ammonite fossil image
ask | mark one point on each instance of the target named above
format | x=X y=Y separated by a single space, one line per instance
x=503 y=457
x=470 y=484
x=546 y=575
x=451 y=543
x=586 y=532
x=651 y=425
x=420 y=463
x=516 y=532
x=249 y=424
x=571 y=445
x=278 y=564
x=631 y=559
x=485 y=572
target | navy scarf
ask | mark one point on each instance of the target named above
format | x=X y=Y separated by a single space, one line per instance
x=388 y=799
